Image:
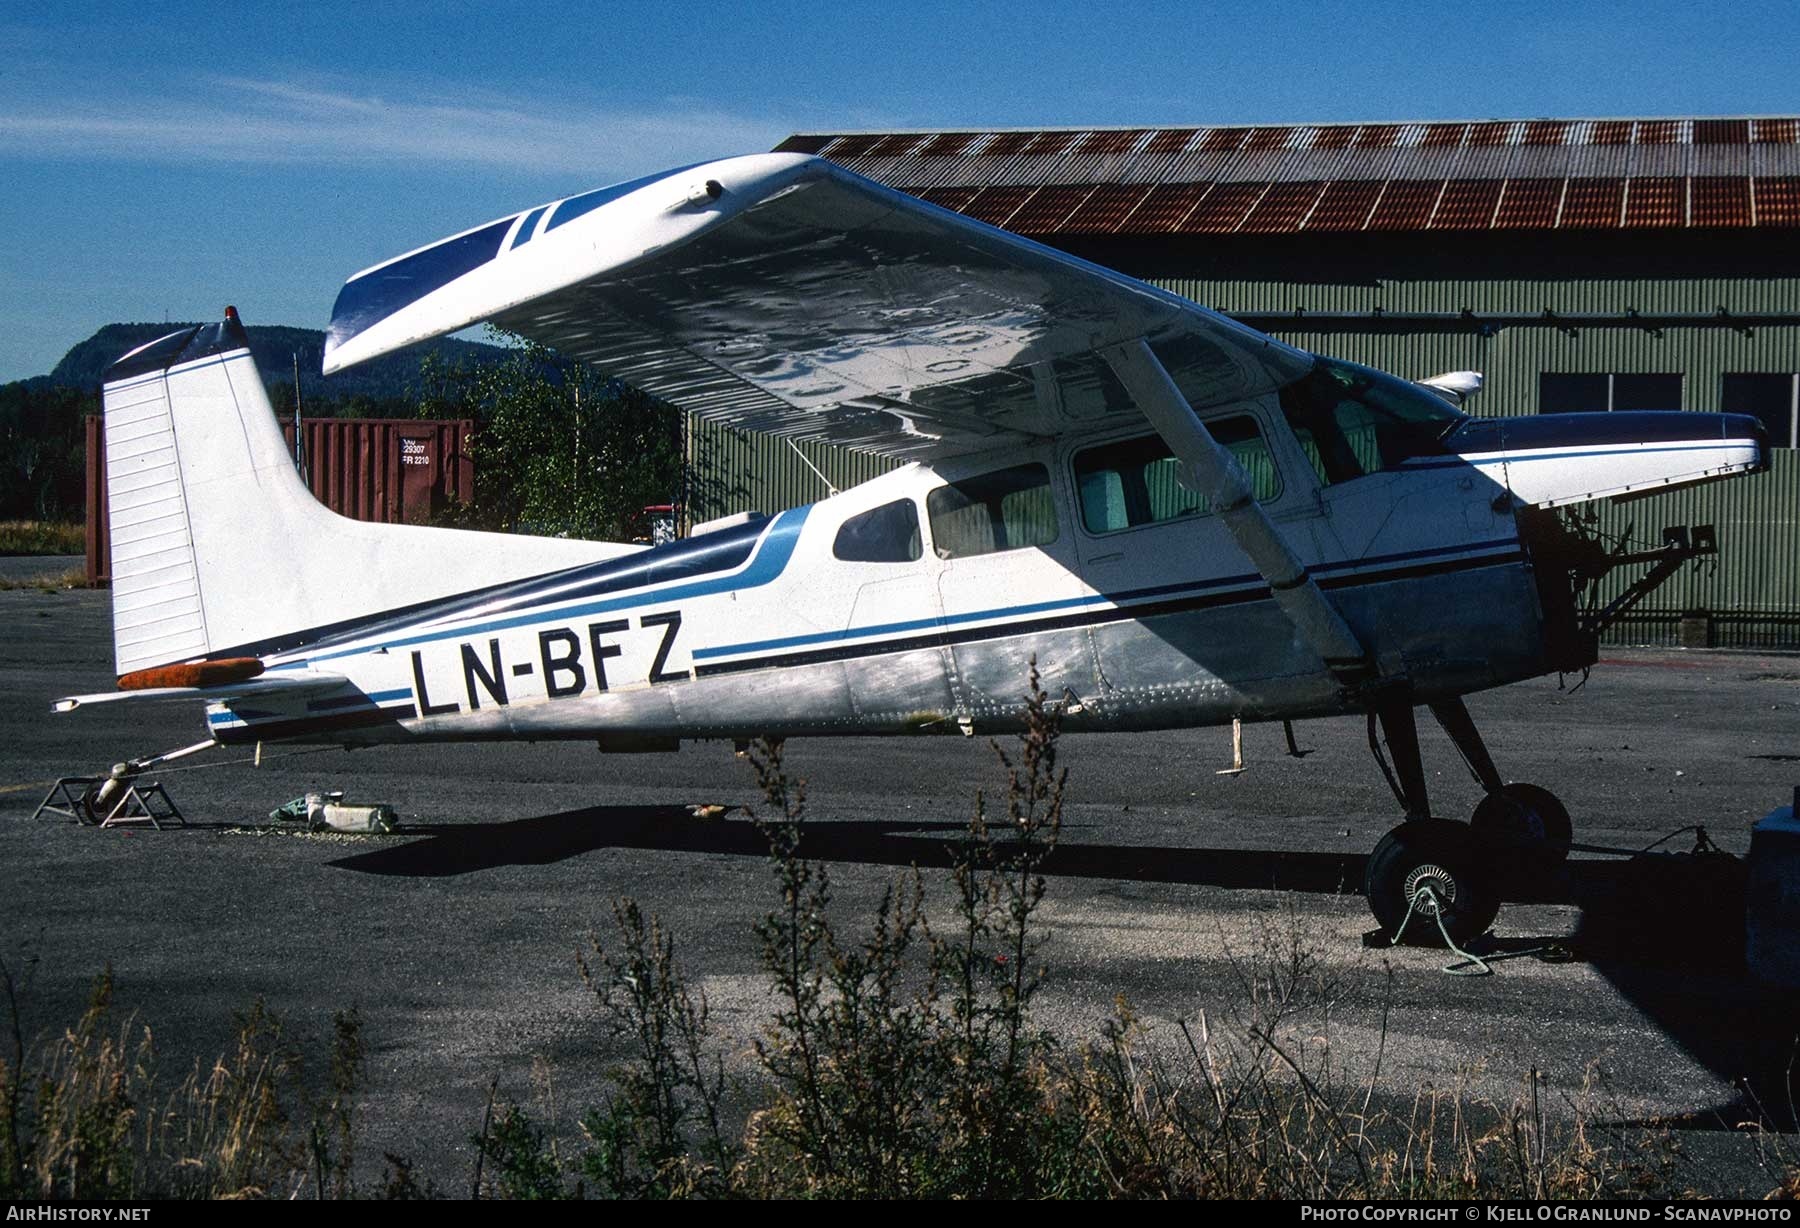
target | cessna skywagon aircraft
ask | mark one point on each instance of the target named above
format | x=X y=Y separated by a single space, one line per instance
x=1181 y=520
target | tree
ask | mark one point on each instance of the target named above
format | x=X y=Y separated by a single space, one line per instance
x=559 y=449
x=42 y=448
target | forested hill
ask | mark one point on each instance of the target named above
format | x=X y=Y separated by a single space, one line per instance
x=390 y=377
x=41 y=431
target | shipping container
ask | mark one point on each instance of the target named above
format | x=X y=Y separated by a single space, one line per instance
x=390 y=470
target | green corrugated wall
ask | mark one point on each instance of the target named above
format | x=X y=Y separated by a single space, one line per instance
x=1753 y=592
x=734 y=471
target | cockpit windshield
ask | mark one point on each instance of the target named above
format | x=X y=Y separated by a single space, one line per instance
x=1353 y=420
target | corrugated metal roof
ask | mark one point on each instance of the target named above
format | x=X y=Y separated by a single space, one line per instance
x=1539 y=174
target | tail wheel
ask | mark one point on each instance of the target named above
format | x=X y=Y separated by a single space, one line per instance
x=1430 y=869
x=1526 y=826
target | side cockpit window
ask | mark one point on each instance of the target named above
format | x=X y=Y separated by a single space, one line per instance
x=1008 y=509
x=1353 y=420
x=885 y=534
x=1137 y=481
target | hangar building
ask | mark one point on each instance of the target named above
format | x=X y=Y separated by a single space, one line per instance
x=1579 y=264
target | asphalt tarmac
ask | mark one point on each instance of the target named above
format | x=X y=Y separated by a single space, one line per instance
x=1622 y=981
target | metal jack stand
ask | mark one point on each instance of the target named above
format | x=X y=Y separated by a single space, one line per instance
x=118 y=799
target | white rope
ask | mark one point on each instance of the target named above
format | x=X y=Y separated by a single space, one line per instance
x=1425 y=899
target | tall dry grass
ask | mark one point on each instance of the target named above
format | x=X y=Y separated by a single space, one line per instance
x=85 y=1113
x=41 y=537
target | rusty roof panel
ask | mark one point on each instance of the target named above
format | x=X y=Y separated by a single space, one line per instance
x=1170 y=141
x=1046 y=144
x=1655 y=202
x=1778 y=201
x=1721 y=132
x=850 y=147
x=1283 y=208
x=1405 y=205
x=1344 y=205
x=1467 y=204
x=1105 y=208
x=1163 y=208
x=995 y=205
x=947 y=144
x=1378 y=136
x=896 y=145
x=1223 y=208
x=803 y=143
x=1593 y=204
x=1224 y=140
x=1006 y=144
x=949 y=198
x=1776 y=131
x=1721 y=201
x=1515 y=168
x=1046 y=211
x=1529 y=204
x=1114 y=141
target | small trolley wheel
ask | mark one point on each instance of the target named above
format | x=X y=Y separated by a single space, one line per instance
x=1525 y=826
x=1443 y=856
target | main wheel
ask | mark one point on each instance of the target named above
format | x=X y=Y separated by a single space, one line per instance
x=1526 y=827
x=1443 y=857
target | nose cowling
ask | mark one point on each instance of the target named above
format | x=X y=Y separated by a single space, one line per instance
x=1548 y=460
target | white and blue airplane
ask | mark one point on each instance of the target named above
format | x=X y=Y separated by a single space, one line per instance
x=1181 y=520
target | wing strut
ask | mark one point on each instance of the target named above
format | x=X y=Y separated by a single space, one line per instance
x=1217 y=476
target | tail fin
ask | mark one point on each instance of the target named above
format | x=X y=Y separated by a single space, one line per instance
x=218 y=549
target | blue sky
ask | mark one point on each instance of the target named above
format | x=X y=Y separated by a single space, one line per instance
x=160 y=160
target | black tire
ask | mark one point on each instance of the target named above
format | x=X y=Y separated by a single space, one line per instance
x=1448 y=857
x=1526 y=828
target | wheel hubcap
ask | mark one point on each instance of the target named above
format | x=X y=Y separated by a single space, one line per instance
x=1441 y=882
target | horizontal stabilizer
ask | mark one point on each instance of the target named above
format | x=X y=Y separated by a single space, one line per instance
x=282 y=685
x=1551 y=460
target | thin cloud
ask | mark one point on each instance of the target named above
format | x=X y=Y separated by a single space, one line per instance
x=262 y=121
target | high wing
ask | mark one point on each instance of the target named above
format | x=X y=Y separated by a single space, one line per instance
x=780 y=293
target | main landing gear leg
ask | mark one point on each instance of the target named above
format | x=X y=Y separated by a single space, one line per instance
x=1423 y=852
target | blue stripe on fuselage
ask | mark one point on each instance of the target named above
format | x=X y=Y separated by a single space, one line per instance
x=1094 y=599
x=769 y=561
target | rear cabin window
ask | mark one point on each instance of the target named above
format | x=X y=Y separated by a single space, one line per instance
x=885 y=534
x=1134 y=482
x=1008 y=509
x=1353 y=420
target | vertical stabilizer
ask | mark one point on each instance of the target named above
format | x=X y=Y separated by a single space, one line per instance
x=220 y=550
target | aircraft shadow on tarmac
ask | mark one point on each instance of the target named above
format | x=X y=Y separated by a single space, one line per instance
x=1666 y=930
